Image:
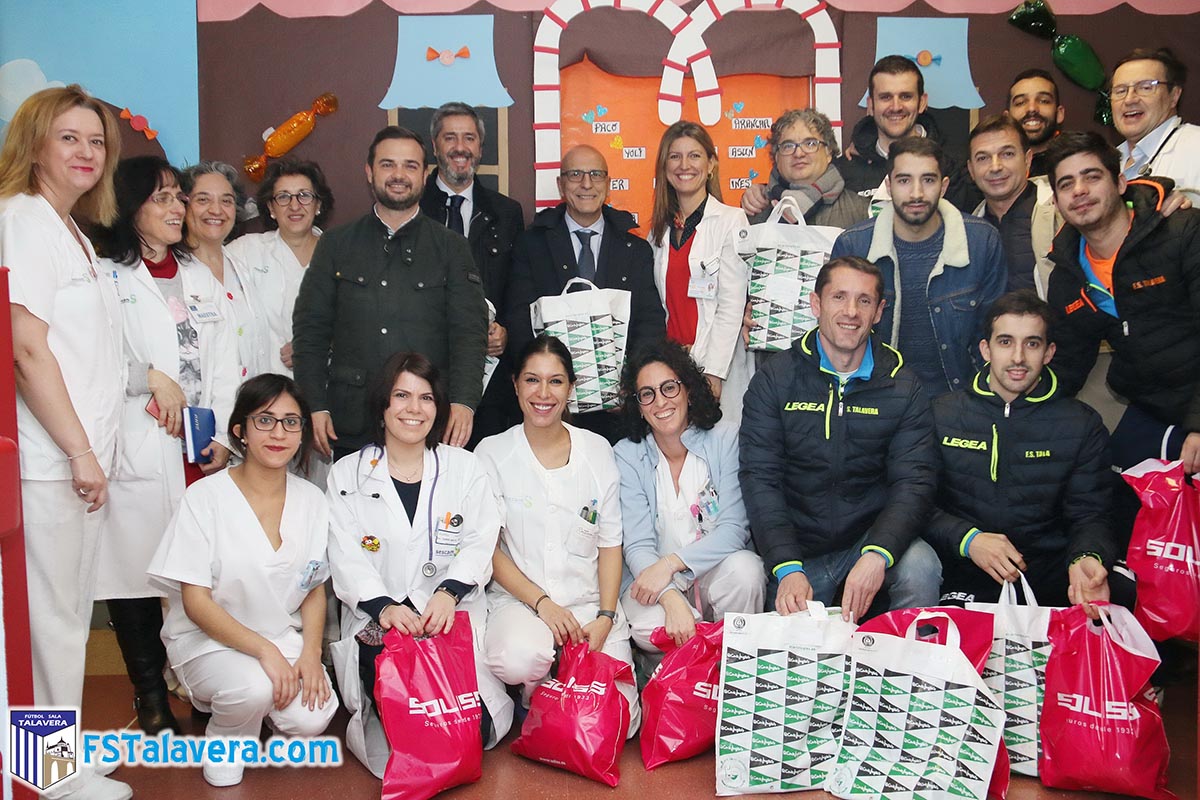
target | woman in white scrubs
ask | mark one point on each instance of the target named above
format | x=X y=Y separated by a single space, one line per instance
x=413 y=524
x=687 y=537
x=60 y=151
x=180 y=351
x=558 y=564
x=214 y=198
x=243 y=562
x=297 y=201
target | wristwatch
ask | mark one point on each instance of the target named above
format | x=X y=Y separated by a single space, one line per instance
x=450 y=592
x=612 y=615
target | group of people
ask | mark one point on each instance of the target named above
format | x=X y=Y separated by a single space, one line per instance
x=920 y=445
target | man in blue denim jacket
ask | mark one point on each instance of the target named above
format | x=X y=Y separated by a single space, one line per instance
x=941 y=269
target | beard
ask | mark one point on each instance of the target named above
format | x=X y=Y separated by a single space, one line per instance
x=916 y=219
x=452 y=176
x=1049 y=129
x=395 y=203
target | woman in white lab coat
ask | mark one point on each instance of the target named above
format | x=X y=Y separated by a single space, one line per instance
x=60 y=150
x=701 y=278
x=214 y=198
x=558 y=564
x=243 y=562
x=413 y=524
x=181 y=351
x=297 y=201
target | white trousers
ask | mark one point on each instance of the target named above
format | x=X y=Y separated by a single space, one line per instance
x=737 y=585
x=61 y=546
x=519 y=650
x=235 y=688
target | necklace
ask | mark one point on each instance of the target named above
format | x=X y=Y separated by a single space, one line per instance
x=406 y=475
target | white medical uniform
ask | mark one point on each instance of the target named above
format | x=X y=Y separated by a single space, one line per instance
x=216 y=541
x=249 y=318
x=149 y=482
x=271 y=266
x=374 y=551
x=550 y=542
x=61 y=284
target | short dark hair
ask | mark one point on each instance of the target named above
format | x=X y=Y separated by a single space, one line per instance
x=1036 y=72
x=135 y=180
x=704 y=410
x=455 y=109
x=895 y=65
x=395 y=132
x=917 y=146
x=188 y=180
x=1072 y=143
x=551 y=345
x=998 y=123
x=1021 y=303
x=1176 y=70
x=289 y=165
x=379 y=396
x=851 y=262
x=259 y=392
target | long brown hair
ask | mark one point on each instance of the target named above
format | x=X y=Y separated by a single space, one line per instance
x=666 y=202
x=27 y=134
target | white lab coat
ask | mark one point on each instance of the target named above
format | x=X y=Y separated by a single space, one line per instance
x=363 y=502
x=271 y=266
x=148 y=483
x=718 y=348
x=250 y=318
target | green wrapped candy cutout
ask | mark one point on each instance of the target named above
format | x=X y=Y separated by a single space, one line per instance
x=1034 y=16
x=1103 y=113
x=1078 y=61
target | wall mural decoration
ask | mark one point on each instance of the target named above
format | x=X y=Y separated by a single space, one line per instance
x=939 y=48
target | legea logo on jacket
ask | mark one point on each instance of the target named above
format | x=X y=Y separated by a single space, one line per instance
x=1113 y=709
x=965 y=444
x=1173 y=551
x=439 y=706
x=795 y=406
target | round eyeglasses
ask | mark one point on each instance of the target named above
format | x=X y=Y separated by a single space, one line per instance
x=645 y=395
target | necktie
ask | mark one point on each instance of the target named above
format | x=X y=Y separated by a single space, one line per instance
x=454 y=220
x=586 y=260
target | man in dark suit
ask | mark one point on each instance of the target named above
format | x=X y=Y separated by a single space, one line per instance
x=551 y=252
x=491 y=222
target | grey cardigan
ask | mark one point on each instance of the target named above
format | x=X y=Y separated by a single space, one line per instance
x=637 y=462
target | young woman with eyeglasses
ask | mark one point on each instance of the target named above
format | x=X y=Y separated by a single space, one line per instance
x=243 y=563
x=687 y=539
x=294 y=201
x=181 y=351
x=700 y=277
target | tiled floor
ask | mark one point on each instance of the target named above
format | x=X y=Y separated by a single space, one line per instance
x=107 y=705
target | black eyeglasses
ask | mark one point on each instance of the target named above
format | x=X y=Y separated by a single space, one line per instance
x=645 y=395
x=266 y=423
x=788 y=147
x=304 y=198
x=576 y=175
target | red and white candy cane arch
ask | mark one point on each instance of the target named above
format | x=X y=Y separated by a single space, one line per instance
x=688 y=52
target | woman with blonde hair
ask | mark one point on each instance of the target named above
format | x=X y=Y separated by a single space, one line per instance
x=58 y=159
x=700 y=277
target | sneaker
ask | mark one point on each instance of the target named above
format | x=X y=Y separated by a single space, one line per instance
x=223 y=774
x=87 y=785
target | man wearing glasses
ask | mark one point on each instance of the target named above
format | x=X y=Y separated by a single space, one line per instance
x=1146 y=87
x=838 y=459
x=582 y=237
x=803 y=148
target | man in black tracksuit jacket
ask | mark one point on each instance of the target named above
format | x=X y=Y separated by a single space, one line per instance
x=1025 y=479
x=838 y=463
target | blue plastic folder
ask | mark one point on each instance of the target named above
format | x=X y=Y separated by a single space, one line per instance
x=199 y=425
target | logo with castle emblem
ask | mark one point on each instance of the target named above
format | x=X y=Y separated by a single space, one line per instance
x=41 y=745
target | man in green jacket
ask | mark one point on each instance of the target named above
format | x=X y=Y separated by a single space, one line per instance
x=392 y=280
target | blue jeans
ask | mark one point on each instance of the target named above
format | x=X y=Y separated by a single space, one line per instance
x=913 y=582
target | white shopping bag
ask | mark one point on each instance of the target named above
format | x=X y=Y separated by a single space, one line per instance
x=920 y=721
x=783 y=683
x=1016 y=670
x=594 y=325
x=782 y=262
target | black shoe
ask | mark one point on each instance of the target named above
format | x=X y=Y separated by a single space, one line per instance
x=154 y=714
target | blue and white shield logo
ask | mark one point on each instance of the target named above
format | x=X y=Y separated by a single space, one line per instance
x=41 y=745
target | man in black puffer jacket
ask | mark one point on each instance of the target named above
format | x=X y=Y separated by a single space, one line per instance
x=1025 y=473
x=838 y=462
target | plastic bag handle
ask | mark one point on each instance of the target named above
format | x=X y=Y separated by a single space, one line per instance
x=953 y=638
x=1008 y=595
x=817 y=610
x=785 y=203
x=574 y=281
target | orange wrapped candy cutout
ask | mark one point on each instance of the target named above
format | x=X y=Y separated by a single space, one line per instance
x=280 y=140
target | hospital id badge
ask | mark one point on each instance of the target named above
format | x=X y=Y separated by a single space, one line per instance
x=702 y=286
x=203 y=311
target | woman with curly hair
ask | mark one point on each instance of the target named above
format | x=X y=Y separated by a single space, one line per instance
x=686 y=533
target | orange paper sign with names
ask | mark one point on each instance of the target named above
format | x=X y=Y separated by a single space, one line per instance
x=619 y=117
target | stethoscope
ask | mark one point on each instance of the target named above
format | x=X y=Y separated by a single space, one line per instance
x=1146 y=169
x=428 y=569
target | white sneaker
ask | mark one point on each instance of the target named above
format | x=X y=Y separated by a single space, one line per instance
x=87 y=785
x=223 y=774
